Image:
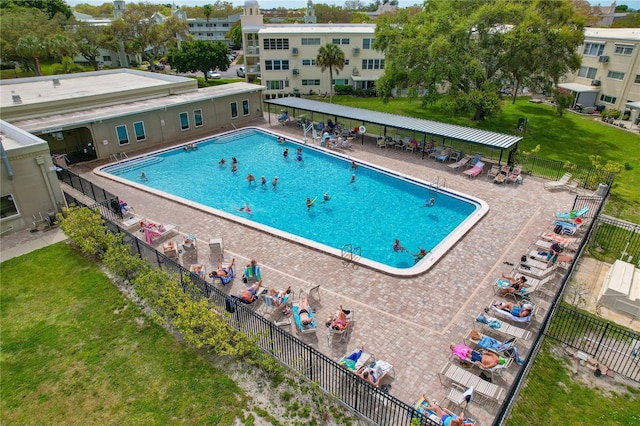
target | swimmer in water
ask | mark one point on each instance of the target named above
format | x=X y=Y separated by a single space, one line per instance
x=325 y=197
x=245 y=209
x=221 y=162
x=251 y=179
x=353 y=179
x=263 y=180
x=143 y=176
x=354 y=166
x=274 y=182
x=310 y=202
x=285 y=154
x=234 y=160
x=234 y=167
x=429 y=203
x=397 y=246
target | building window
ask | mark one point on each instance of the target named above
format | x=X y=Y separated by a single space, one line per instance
x=234 y=110
x=587 y=72
x=608 y=99
x=373 y=64
x=311 y=82
x=275 y=43
x=8 y=207
x=275 y=84
x=138 y=128
x=637 y=78
x=616 y=75
x=123 y=135
x=340 y=41
x=310 y=41
x=276 y=65
x=197 y=118
x=308 y=62
x=367 y=43
x=184 y=121
x=106 y=58
x=245 y=107
x=624 y=50
x=344 y=82
x=593 y=49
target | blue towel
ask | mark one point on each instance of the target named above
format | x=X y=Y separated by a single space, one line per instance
x=296 y=316
x=226 y=280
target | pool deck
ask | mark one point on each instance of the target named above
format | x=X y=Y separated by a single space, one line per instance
x=408 y=322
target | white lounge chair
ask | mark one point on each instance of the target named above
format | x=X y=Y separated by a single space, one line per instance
x=560 y=183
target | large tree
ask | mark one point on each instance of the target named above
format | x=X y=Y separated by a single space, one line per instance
x=140 y=34
x=90 y=39
x=49 y=7
x=330 y=57
x=199 y=55
x=462 y=53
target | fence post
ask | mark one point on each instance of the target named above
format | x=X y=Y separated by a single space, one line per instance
x=601 y=339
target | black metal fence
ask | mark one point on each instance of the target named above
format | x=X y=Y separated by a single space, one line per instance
x=616 y=239
x=589 y=177
x=370 y=402
x=611 y=345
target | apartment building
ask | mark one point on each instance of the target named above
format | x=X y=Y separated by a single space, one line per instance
x=610 y=71
x=283 y=56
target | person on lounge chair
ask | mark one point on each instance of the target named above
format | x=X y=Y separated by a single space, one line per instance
x=250 y=295
x=340 y=322
x=520 y=309
x=516 y=284
x=222 y=271
x=447 y=419
x=486 y=359
x=279 y=296
x=366 y=373
x=305 y=310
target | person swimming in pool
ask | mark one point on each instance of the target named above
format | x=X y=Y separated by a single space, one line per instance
x=397 y=246
x=143 y=176
x=325 y=197
x=221 y=162
x=263 y=180
x=310 y=202
x=251 y=179
x=234 y=167
x=274 y=182
x=245 y=209
x=353 y=179
x=285 y=154
x=354 y=166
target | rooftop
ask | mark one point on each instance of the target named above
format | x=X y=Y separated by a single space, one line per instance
x=632 y=34
x=318 y=28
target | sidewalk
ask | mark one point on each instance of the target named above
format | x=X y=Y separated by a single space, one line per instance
x=23 y=242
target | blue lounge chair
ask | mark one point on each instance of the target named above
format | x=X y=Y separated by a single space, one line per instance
x=224 y=280
x=573 y=214
x=252 y=273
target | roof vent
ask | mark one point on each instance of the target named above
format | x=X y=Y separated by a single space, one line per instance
x=56 y=82
x=16 y=99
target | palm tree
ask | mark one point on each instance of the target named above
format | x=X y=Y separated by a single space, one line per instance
x=30 y=48
x=207 y=10
x=331 y=57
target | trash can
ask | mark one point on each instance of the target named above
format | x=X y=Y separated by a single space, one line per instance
x=602 y=190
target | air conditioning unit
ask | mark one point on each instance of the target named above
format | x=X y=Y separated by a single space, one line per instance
x=356 y=50
x=296 y=71
x=355 y=71
x=294 y=50
x=603 y=59
x=595 y=82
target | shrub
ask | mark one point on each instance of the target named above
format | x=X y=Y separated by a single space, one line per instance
x=85 y=228
x=342 y=89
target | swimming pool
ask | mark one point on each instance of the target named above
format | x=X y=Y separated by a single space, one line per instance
x=364 y=216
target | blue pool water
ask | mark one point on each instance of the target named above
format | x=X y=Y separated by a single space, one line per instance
x=369 y=213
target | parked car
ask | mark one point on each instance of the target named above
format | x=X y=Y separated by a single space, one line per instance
x=158 y=67
x=213 y=74
x=240 y=72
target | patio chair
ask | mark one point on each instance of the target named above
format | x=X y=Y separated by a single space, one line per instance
x=515 y=175
x=198 y=270
x=170 y=249
x=423 y=410
x=343 y=333
x=300 y=326
x=508 y=316
x=475 y=170
x=444 y=155
x=460 y=163
x=355 y=359
x=381 y=142
x=560 y=183
x=252 y=273
x=456 y=156
x=502 y=176
x=572 y=215
x=493 y=171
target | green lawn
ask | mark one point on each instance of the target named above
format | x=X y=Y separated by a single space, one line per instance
x=569 y=138
x=74 y=351
x=552 y=397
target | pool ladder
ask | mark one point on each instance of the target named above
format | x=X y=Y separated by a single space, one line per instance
x=350 y=253
x=123 y=155
x=435 y=186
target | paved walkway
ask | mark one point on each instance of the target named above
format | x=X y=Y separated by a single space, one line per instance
x=408 y=322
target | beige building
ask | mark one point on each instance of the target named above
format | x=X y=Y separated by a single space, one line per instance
x=283 y=56
x=29 y=188
x=101 y=115
x=610 y=71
